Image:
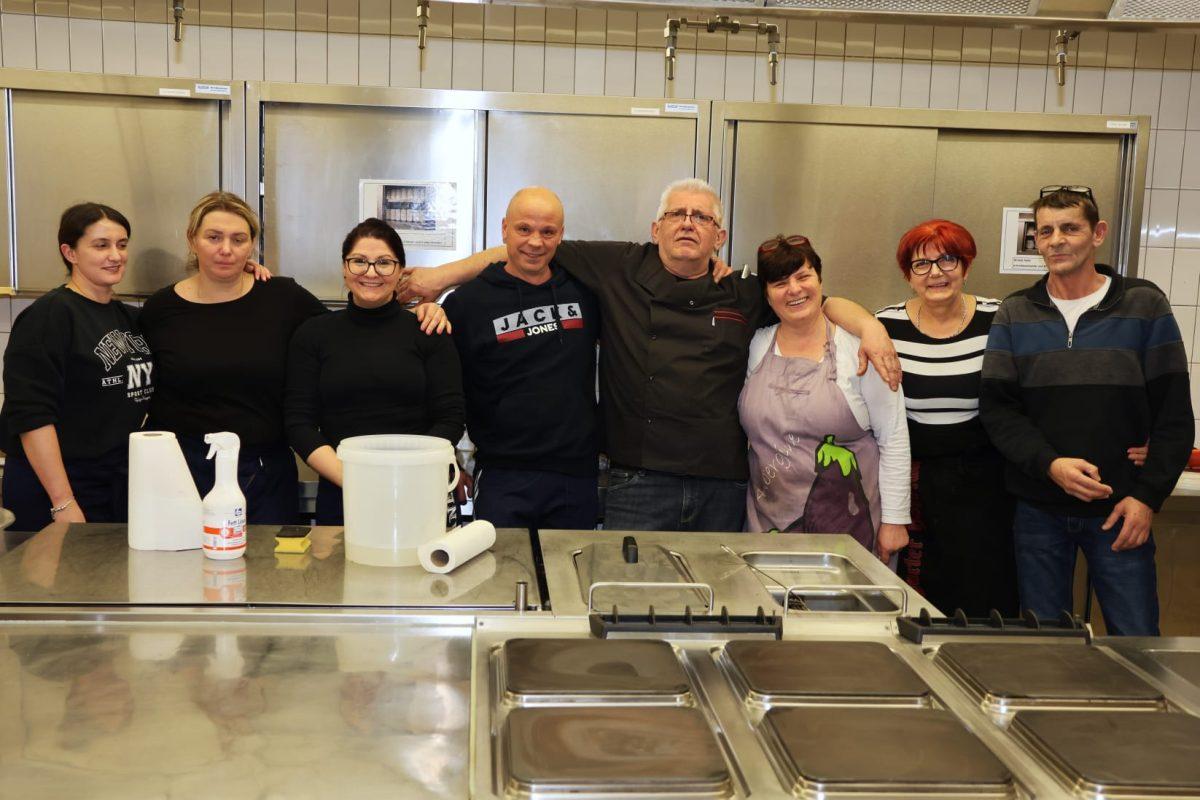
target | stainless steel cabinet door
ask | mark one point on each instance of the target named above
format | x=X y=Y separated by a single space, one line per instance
x=851 y=189
x=150 y=158
x=608 y=170
x=314 y=159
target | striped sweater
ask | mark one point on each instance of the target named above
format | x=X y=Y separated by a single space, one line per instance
x=941 y=381
x=1121 y=380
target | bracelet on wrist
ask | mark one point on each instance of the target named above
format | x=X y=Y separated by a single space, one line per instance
x=56 y=509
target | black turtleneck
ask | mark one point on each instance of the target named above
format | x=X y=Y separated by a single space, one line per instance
x=368 y=371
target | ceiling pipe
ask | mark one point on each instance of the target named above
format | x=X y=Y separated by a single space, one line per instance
x=177 y=9
x=1061 y=38
x=721 y=22
x=422 y=23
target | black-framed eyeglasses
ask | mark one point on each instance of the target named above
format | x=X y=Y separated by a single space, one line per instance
x=946 y=262
x=678 y=215
x=774 y=244
x=383 y=266
x=1086 y=191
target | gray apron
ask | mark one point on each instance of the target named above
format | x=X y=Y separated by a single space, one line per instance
x=813 y=468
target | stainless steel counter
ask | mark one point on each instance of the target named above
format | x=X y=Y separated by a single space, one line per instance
x=86 y=565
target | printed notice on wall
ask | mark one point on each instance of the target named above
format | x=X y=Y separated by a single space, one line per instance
x=424 y=213
x=1018 y=244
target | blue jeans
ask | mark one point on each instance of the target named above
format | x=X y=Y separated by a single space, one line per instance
x=1126 y=582
x=646 y=500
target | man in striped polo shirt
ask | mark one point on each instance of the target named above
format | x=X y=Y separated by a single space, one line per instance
x=1080 y=367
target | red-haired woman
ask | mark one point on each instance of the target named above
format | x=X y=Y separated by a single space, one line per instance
x=961 y=511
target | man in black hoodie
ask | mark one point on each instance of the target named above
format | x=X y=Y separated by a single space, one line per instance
x=526 y=334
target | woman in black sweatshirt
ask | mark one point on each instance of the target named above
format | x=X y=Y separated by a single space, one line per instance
x=78 y=378
x=368 y=369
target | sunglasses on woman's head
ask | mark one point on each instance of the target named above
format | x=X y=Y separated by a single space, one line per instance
x=779 y=241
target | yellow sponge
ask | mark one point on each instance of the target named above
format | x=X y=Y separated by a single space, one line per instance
x=292 y=544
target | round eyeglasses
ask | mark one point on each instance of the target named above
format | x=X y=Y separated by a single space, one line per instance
x=946 y=262
x=383 y=266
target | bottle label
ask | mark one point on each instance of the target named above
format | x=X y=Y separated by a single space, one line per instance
x=225 y=533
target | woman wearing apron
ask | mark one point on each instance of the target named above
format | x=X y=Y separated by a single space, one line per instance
x=828 y=449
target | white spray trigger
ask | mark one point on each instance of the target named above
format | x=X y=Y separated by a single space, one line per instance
x=217 y=442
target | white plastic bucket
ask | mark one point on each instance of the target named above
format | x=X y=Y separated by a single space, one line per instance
x=394 y=496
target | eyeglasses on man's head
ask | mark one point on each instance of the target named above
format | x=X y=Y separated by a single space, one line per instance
x=1086 y=191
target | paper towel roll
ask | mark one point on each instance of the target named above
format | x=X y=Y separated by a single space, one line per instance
x=164 y=506
x=446 y=553
x=466 y=578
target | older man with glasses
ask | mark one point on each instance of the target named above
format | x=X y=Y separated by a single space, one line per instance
x=1079 y=368
x=674 y=344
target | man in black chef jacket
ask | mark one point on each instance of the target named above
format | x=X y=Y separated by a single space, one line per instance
x=526 y=332
x=673 y=351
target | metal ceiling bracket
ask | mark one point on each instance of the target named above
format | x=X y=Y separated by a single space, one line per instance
x=177 y=9
x=422 y=23
x=1061 y=38
x=721 y=22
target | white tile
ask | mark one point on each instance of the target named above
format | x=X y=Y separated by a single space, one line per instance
x=885 y=82
x=374 y=60
x=561 y=64
x=5 y=315
x=1190 y=178
x=529 y=66
x=468 y=64
x=312 y=57
x=183 y=58
x=856 y=82
x=649 y=73
x=1146 y=93
x=1173 y=102
x=710 y=75
x=436 y=64
x=620 y=64
x=1193 y=117
x=943 y=84
x=1156 y=267
x=739 y=76
x=150 y=43
x=53 y=43
x=589 y=69
x=1031 y=87
x=914 y=85
x=1059 y=99
x=1188 y=225
x=1168 y=159
x=1143 y=233
x=118 y=47
x=87 y=45
x=1118 y=91
x=1185 y=318
x=684 y=85
x=973 y=86
x=1185 y=278
x=279 y=56
x=1002 y=87
x=498 y=63
x=1150 y=153
x=1164 y=207
x=342 y=66
x=1089 y=90
x=827 y=81
x=1196 y=372
x=216 y=53
x=404 y=62
x=19 y=36
x=798 y=79
x=247 y=54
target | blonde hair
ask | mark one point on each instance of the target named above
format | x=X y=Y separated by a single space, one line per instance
x=219 y=201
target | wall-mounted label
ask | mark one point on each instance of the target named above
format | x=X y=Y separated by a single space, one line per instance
x=641 y=111
x=1123 y=124
x=212 y=88
x=165 y=92
x=682 y=108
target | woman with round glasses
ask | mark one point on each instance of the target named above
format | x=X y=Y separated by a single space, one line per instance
x=828 y=449
x=368 y=369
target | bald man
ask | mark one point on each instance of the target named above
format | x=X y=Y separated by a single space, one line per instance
x=526 y=335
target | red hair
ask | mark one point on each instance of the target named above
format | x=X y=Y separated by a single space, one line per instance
x=951 y=237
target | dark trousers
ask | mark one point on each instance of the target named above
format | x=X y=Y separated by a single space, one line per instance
x=967 y=549
x=646 y=500
x=266 y=474
x=526 y=498
x=100 y=486
x=329 y=504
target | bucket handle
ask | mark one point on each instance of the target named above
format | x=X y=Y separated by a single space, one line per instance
x=454 y=480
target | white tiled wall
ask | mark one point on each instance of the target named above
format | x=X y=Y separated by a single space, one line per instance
x=591 y=51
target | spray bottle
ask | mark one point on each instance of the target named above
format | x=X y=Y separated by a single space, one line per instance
x=225 y=505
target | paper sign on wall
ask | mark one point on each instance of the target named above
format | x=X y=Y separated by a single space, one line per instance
x=1018 y=244
x=424 y=213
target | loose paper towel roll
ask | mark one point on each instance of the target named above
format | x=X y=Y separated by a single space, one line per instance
x=446 y=553
x=164 y=506
x=466 y=578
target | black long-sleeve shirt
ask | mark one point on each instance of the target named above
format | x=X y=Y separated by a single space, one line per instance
x=222 y=366
x=371 y=371
x=79 y=365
